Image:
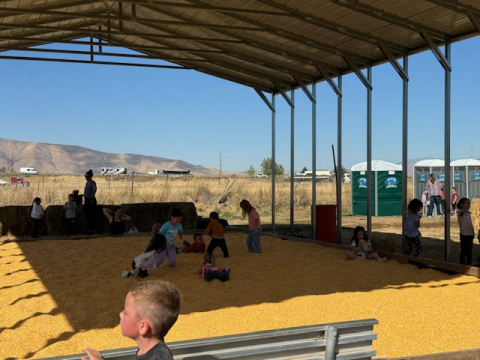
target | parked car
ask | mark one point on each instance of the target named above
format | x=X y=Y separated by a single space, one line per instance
x=260 y=175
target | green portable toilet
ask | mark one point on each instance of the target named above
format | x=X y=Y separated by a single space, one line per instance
x=386 y=189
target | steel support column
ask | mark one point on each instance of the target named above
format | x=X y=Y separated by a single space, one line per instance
x=314 y=160
x=273 y=164
x=405 y=148
x=369 y=151
x=292 y=161
x=446 y=184
x=339 y=162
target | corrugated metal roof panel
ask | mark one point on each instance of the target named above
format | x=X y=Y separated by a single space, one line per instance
x=255 y=43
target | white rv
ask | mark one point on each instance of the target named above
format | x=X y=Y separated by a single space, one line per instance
x=105 y=170
x=28 y=170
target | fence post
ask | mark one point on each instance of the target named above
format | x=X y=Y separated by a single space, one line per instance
x=331 y=343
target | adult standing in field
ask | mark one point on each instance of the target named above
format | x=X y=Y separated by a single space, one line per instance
x=434 y=190
x=90 y=207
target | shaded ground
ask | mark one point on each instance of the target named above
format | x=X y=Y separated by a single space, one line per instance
x=65 y=295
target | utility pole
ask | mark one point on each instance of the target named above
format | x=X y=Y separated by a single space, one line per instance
x=220 y=171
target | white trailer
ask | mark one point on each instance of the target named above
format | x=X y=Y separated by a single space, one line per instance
x=28 y=170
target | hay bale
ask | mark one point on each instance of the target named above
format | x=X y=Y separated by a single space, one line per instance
x=143 y=216
x=15 y=220
x=189 y=219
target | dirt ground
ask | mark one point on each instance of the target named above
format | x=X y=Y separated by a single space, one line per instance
x=64 y=295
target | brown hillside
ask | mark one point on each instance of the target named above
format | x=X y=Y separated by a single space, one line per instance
x=54 y=158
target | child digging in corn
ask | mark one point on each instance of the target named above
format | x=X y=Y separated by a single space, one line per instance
x=151 y=309
x=148 y=258
x=210 y=271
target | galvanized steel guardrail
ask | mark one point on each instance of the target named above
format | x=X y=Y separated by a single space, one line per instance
x=334 y=341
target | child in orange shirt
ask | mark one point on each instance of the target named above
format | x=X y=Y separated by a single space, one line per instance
x=215 y=230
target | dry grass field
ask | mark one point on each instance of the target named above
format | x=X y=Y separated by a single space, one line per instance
x=58 y=297
x=205 y=193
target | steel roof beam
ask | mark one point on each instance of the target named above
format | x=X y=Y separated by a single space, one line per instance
x=250 y=42
x=456 y=6
x=204 y=7
x=315 y=20
x=299 y=39
x=398 y=68
x=390 y=18
x=464 y=9
x=55 y=6
x=121 y=18
x=436 y=51
x=284 y=95
x=249 y=72
x=474 y=20
x=265 y=100
x=103 y=43
x=106 y=32
x=359 y=73
x=76 y=52
x=304 y=88
x=93 y=62
x=330 y=81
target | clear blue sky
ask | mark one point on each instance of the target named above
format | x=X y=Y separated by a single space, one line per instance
x=184 y=114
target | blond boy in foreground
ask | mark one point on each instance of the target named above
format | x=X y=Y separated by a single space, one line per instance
x=151 y=309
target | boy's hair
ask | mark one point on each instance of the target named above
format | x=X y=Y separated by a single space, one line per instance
x=159 y=302
x=414 y=206
x=37 y=199
x=196 y=235
x=214 y=215
x=176 y=213
x=72 y=195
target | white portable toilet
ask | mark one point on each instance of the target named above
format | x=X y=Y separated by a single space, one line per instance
x=466 y=177
x=421 y=174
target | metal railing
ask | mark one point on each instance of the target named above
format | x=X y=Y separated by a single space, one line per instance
x=334 y=341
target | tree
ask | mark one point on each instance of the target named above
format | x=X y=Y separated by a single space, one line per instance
x=267 y=167
x=304 y=170
x=251 y=171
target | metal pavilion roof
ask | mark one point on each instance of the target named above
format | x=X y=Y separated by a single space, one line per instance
x=264 y=44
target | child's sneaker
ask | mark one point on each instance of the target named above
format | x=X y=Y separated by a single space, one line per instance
x=384 y=259
x=125 y=273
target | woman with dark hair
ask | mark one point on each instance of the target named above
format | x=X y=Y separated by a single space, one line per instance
x=90 y=207
x=116 y=218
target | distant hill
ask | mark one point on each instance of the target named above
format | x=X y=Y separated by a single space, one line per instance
x=69 y=159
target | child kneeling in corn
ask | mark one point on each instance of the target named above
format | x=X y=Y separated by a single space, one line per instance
x=151 y=309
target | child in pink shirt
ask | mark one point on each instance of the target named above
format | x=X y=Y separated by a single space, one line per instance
x=254 y=227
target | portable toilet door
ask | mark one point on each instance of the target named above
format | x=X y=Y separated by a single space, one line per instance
x=460 y=177
x=473 y=176
x=359 y=192
x=389 y=192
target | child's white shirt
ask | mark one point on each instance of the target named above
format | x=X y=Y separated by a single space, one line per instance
x=146 y=259
x=37 y=211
